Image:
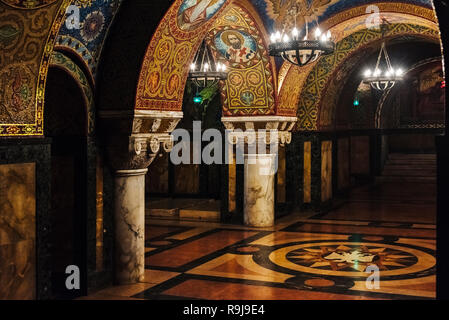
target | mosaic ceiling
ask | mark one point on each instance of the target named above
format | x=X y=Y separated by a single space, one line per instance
x=275 y=11
x=97 y=15
x=24 y=116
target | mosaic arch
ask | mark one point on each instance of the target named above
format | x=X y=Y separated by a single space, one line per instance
x=23 y=66
x=237 y=41
x=332 y=69
x=87 y=41
x=173 y=46
x=62 y=62
x=350 y=35
x=330 y=96
x=273 y=12
x=354 y=19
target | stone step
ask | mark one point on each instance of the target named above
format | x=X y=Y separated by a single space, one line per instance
x=184 y=209
x=416 y=179
x=430 y=161
x=165 y=213
x=423 y=156
x=409 y=172
x=195 y=214
x=410 y=166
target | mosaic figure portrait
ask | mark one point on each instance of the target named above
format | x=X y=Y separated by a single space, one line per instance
x=236 y=46
x=194 y=12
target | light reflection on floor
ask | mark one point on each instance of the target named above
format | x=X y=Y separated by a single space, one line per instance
x=305 y=256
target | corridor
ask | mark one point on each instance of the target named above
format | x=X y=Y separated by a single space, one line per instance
x=307 y=255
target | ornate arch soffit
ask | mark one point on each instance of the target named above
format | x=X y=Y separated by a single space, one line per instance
x=384 y=7
x=32 y=74
x=342 y=25
x=167 y=59
x=84 y=58
x=250 y=87
x=59 y=60
x=77 y=48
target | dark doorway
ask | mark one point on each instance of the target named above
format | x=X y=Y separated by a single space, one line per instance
x=65 y=122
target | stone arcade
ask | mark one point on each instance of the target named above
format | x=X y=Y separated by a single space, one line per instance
x=338 y=201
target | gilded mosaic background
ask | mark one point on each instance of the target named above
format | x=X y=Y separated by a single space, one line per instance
x=237 y=42
x=23 y=34
x=172 y=48
x=274 y=12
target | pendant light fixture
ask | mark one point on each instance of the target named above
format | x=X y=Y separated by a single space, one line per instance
x=204 y=71
x=383 y=79
x=300 y=49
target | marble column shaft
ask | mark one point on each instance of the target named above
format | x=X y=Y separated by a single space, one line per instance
x=129 y=217
x=259 y=190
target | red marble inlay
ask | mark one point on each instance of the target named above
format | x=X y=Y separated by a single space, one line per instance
x=191 y=251
x=214 y=290
x=319 y=282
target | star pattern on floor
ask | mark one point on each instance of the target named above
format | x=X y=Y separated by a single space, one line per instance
x=347 y=257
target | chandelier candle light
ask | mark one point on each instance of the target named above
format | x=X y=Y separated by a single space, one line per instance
x=298 y=50
x=380 y=80
x=204 y=72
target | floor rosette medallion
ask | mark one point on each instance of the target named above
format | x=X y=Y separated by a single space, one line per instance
x=351 y=259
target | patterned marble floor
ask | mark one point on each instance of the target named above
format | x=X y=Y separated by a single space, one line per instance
x=305 y=256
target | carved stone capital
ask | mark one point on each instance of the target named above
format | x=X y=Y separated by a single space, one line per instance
x=142 y=150
x=272 y=129
x=147 y=135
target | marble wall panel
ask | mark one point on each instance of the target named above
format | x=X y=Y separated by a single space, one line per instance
x=232 y=173
x=343 y=163
x=294 y=170
x=156 y=180
x=360 y=155
x=411 y=143
x=187 y=178
x=326 y=170
x=99 y=225
x=281 y=176
x=17 y=231
x=307 y=172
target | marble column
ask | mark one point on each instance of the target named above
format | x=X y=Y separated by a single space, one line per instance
x=129 y=218
x=259 y=190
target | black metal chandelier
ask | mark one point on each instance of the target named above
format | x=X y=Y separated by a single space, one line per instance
x=383 y=79
x=300 y=51
x=204 y=71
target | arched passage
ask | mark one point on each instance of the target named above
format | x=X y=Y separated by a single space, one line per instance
x=69 y=123
x=301 y=90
